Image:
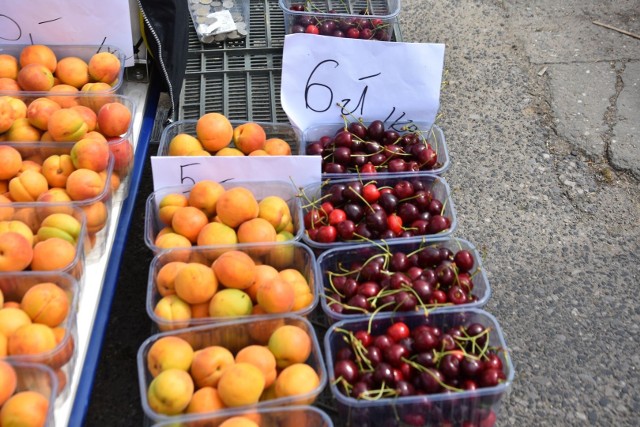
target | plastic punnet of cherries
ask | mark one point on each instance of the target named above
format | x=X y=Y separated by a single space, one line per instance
x=353 y=27
x=363 y=211
x=371 y=148
x=426 y=278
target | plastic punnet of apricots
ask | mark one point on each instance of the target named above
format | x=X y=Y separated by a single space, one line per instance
x=239 y=213
x=38 y=321
x=290 y=416
x=190 y=287
x=43 y=237
x=89 y=127
x=27 y=393
x=226 y=368
x=61 y=65
x=203 y=137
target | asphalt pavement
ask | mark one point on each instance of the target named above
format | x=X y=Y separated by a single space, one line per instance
x=541 y=113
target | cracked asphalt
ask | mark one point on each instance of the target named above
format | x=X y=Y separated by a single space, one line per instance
x=540 y=110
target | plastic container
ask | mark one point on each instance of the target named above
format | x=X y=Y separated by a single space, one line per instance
x=381 y=16
x=273 y=130
x=40 y=379
x=436 y=184
x=293 y=255
x=97 y=208
x=234 y=336
x=429 y=409
x=290 y=416
x=121 y=147
x=214 y=25
x=84 y=52
x=62 y=358
x=32 y=215
x=432 y=134
x=338 y=259
x=260 y=190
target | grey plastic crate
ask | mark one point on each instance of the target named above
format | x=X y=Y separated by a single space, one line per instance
x=239 y=78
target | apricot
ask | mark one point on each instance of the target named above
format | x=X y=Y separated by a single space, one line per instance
x=200 y=311
x=239 y=421
x=84 y=184
x=73 y=71
x=38 y=54
x=27 y=186
x=236 y=206
x=9 y=85
x=16 y=252
x=171 y=309
x=169 y=204
x=51 y=197
x=298 y=379
x=18 y=107
x=276 y=211
x=97 y=215
x=6 y=115
x=65 y=348
x=276 y=296
x=249 y=137
x=10 y=162
x=25 y=408
x=204 y=195
x=169 y=353
x=165 y=279
x=277 y=147
x=39 y=112
x=91 y=119
x=230 y=303
x=256 y=230
x=8 y=381
x=214 y=131
x=183 y=144
x=241 y=384
x=92 y=99
x=205 y=399
x=170 y=392
x=33 y=338
x=235 y=269
x=67 y=124
x=53 y=254
x=188 y=221
x=195 y=283
x=62 y=225
x=18 y=227
x=290 y=344
x=208 y=365
x=3 y=344
x=261 y=331
x=89 y=153
x=11 y=319
x=64 y=95
x=35 y=77
x=258 y=153
x=264 y=274
x=261 y=358
x=172 y=240
x=46 y=303
x=281 y=256
x=29 y=216
x=229 y=152
x=8 y=69
x=114 y=119
x=216 y=233
x=22 y=131
x=104 y=67
x=122 y=152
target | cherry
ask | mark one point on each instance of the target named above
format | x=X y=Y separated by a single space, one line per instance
x=370 y=193
x=490 y=377
x=364 y=337
x=390 y=137
x=369 y=289
x=358 y=302
x=426 y=359
x=313 y=219
x=394 y=354
x=431 y=380
x=312 y=29
x=456 y=295
x=336 y=194
x=398 y=331
x=404 y=388
x=376 y=221
x=376 y=130
x=471 y=367
x=347 y=369
x=368 y=168
x=397 y=165
x=374 y=354
x=423 y=289
x=450 y=366
x=363 y=231
x=424 y=340
x=464 y=260
x=334 y=168
x=371 y=270
x=414 y=272
x=438 y=224
x=493 y=361
x=403 y=189
x=399 y=262
x=345 y=353
x=342 y=155
x=383 y=373
x=399 y=280
x=337 y=216
x=343 y=139
x=338 y=33
x=298 y=7
x=298 y=29
x=353 y=33
x=354 y=212
x=346 y=229
x=353 y=191
x=406 y=301
x=382 y=342
x=388 y=201
x=438 y=296
x=327 y=27
x=357 y=129
x=394 y=223
x=435 y=207
x=326 y=234
x=359 y=389
x=408 y=212
x=372 y=147
x=350 y=288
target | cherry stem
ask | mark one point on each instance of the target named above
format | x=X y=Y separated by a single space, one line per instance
x=421 y=368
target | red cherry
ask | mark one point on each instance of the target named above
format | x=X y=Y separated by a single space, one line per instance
x=398 y=331
x=312 y=233
x=376 y=22
x=326 y=208
x=368 y=168
x=370 y=193
x=394 y=223
x=364 y=337
x=352 y=33
x=312 y=29
x=337 y=216
x=326 y=234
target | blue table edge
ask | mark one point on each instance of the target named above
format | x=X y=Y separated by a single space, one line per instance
x=92 y=357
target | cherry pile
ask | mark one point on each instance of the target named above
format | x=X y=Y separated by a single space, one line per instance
x=423 y=360
x=372 y=149
x=354 y=210
x=427 y=278
x=350 y=27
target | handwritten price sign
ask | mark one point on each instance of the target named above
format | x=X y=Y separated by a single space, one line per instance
x=324 y=78
x=79 y=22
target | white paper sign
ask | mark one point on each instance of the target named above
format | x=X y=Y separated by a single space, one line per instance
x=81 y=22
x=170 y=171
x=373 y=80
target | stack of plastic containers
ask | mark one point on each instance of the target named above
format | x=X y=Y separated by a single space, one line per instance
x=65 y=157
